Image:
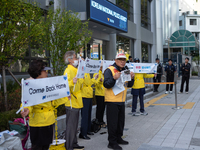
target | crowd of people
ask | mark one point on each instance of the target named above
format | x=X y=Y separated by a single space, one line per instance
x=42 y=116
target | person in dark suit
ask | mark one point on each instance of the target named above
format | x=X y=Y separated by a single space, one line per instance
x=159 y=75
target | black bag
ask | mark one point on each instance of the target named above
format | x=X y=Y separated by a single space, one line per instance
x=95 y=126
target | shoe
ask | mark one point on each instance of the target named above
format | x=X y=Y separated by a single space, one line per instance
x=122 y=142
x=180 y=92
x=135 y=114
x=166 y=92
x=90 y=133
x=171 y=92
x=115 y=147
x=186 y=92
x=78 y=147
x=144 y=113
x=84 y=137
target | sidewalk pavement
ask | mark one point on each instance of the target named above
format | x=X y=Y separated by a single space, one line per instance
x=164 y=128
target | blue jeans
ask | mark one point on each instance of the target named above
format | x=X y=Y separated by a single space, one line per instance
x=136 y=93
x=86 y=116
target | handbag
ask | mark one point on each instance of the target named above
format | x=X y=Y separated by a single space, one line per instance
x=19 y=127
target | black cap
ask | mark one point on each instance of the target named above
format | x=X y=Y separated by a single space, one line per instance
x=169 y=60
x=187 y=58
x=157 y=59
x=130 y=57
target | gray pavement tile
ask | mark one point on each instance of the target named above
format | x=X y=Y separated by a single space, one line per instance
x=194 y=147
x=195 y=142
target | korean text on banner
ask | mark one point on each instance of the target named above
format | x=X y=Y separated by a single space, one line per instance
x=143 y=67
x=92 y=66
x=106 y=64
x=81 y=69
x=43 y=90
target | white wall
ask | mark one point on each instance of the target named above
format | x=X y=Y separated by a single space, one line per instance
x=193 y=28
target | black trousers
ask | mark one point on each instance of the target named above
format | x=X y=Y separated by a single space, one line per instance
x=86 y=116
x=115 y=122
x=36 y=147
x=170 y=78
x=100 y=108
x=157 y=79
x=185 y=79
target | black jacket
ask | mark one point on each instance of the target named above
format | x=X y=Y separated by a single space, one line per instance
x=159 y=69
x=170 y=70
x=109 y=81
x=185 y=69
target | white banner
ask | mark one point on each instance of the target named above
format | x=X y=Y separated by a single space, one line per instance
x=143 y=67
x=81 y=69
x=92 y=66
x=106 y=64
x=44 y=90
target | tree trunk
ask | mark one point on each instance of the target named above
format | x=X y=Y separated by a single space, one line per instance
x=4 y=86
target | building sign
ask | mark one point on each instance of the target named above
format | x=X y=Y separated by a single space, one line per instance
x=107 y=13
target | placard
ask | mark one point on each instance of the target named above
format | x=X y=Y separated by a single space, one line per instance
x=143 y=67
x=81 y=69
x=92 y=66
x=106 y=64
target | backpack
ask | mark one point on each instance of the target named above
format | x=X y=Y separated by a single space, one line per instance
x=95 y=126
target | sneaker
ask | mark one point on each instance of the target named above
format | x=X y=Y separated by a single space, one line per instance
x=144 y=113
x=122 y=142
x=135 y=114
x=180 y=92
x=166 y=92
x=186 y=92
x=171 y=92
x=115 y=147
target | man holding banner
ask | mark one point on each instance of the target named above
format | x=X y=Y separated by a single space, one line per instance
x=41 y=113
x=115 y=102
x=75 y=104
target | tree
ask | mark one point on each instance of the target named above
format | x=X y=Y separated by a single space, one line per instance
x=62 y=31
x=19 y=24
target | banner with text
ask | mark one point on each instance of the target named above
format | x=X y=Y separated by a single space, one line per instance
x=106 y=64
x=44 y=90
x=143 y=67
x=92 y=66
x=81 y=69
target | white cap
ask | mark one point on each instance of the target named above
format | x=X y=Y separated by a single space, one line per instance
x=120 y=55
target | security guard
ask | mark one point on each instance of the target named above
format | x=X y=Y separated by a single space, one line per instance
x=159 y=75
x=75 y=104
x=185 y=68
x=138 y=89
x=100 y=99
x=115 y=103
x=170 y=69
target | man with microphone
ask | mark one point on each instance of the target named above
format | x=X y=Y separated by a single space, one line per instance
x=115 y=103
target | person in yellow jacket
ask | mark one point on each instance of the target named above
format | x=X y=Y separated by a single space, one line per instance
x=87 y=96
x=100 y=100
x=74 y=105
x=115 y=111
x=138 y=89
x=41 y=116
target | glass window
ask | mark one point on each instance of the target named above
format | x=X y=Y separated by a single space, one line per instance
x=145 y=57
x=123 y=46
x=180 y=23
x=126 y=5
x=193 y=21
x=145 y=14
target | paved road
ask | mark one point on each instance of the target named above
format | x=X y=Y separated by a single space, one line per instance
x=164 y=128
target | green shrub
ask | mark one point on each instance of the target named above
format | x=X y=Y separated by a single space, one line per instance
x=194 y=73
x=5 y=117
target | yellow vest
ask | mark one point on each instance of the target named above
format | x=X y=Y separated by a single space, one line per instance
x=99 y=88
x=76 y=97
x=87 y=90
x=110 y=96
x=139 y=80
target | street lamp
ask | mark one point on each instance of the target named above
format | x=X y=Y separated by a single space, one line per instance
x=168 y=41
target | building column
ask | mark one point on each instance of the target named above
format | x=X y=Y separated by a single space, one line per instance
x=131 y=47
x=110 y=52
x=137 y=21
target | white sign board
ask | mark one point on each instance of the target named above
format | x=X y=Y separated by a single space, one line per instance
x=143 y=67
x=81 y=69
x=106 y=64
x=92 y=66
x=43 y=90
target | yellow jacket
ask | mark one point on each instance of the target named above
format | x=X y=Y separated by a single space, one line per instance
x=109 y=94
x=139 y=80
x=87 y=90
x=76 y=97
x=42 y=115
x=99 y=88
